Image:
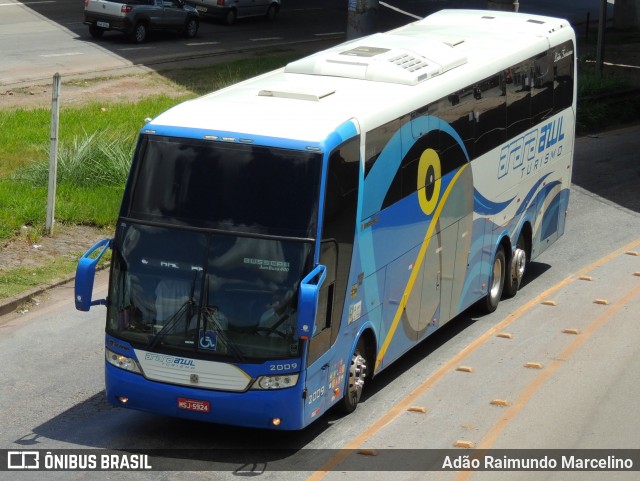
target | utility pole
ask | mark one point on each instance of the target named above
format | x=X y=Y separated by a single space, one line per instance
x=53 y=154
x=602 y=20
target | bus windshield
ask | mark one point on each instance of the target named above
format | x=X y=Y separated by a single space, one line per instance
x=228 y=186
x=206 y=294
x=212 y=243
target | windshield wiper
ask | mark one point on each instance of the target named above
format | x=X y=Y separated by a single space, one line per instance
x=173 y=320
x=209 y=317
x=155 y=340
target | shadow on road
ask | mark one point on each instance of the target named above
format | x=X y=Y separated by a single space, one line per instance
x=607 y=165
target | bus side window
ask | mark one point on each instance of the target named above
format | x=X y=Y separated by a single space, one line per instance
x=542 y=92
x=456 y=110
x=518 y=83
x=490 y=114
x=563 y=76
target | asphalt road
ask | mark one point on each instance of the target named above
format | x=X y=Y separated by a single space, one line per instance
x=579 y=390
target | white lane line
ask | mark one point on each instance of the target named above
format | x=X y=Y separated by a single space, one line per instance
x=265 y=39
x=130 y=49
x=384 y=4
x=24 y=3
x=66 y=54
x=197 y=44
x=327 y=34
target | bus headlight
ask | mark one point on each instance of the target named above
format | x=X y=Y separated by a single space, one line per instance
x=123 y=362
x=275 y=382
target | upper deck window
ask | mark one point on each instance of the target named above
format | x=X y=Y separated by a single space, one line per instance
x=233 y=187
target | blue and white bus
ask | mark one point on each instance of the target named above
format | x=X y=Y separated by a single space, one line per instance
x=283 y=240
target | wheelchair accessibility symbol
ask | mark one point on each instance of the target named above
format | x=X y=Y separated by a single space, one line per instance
x=207 y=340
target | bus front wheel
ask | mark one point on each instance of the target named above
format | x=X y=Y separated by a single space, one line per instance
x=355 y=382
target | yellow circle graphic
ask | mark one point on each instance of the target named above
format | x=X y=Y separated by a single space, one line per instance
x=429 y=181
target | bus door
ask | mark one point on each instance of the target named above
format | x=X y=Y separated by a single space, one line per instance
x=319 y=355
x=326 y=367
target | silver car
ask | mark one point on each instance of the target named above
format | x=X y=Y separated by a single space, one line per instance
x=230 y=10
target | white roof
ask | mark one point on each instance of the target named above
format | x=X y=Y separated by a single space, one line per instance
x=373 y=78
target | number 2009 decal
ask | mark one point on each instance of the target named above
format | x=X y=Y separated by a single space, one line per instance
x=317 y=394
x=283 y=367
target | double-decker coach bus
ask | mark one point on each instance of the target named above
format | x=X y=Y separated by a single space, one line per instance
x=283 y=240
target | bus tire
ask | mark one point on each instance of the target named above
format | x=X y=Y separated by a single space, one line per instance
x=496 y=283
x=515 y=269
x=357 y=374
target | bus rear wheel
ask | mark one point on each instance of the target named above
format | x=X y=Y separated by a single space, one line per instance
x=355 y=382
x=515 y=269
x=496 y=283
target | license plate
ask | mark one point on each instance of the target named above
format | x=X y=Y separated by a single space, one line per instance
x=194 y=405
x=102 y=24
x=201 y=9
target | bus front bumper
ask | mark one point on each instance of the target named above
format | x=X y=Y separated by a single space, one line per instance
x=280 y=409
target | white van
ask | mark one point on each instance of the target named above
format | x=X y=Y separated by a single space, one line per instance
x=230 y=10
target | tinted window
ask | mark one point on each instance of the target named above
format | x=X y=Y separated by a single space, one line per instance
x=563 y=76
x=542 y=92
x=225 y=186
x=490 y=114
x=518 y=83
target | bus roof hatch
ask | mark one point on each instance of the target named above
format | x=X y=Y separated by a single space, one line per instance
x=383 y=58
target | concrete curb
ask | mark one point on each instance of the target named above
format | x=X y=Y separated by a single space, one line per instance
x=11 y=304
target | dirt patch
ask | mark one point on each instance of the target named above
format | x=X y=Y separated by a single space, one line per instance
x=28 y=250
x=79 y=92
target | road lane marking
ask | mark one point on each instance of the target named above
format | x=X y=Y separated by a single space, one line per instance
x=130 y=49
x=198 y=44
x=66 y=54
x=25 y=3
x=417 y=17
x=411 y=398
x=529 y=391
x=264 y=39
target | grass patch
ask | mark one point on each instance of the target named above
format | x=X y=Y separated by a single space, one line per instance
x=24 y=133
x=96 y=144
x=16 y=281
x=597 y=110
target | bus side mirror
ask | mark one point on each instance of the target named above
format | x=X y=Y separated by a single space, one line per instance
x=85 y=275
x=308 y=300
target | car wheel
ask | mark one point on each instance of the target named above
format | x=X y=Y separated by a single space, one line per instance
x=95 y=32
x=271 y=12
x=191 y=28
x=139 y=34
x=231 y=16
x=496 y=283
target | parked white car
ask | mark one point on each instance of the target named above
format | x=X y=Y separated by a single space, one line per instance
x=230 y=10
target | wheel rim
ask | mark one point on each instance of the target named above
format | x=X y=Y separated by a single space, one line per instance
x=520 y=261
x=496 y=281
x=141 y=33
x=192 y=28
x=357 y=375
